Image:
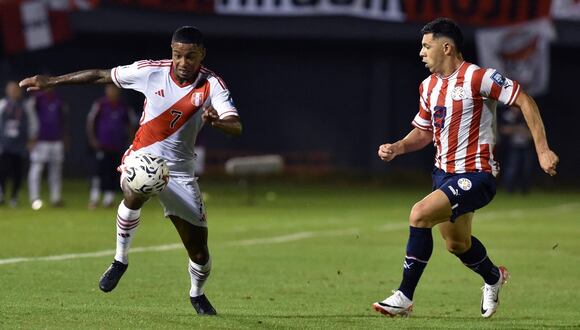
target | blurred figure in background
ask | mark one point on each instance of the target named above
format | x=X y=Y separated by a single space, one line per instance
x=49 y=149
x=110 y=126
x=520 y=155
x=18 y=130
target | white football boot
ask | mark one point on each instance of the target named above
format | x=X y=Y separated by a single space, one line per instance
x=397 y=304
x=490 y=296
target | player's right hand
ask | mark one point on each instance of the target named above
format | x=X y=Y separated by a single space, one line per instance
x=549 y=161
x=387 y=152
x=35 y=83
x=209 y=115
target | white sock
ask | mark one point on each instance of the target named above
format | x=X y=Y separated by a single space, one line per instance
x=198 y=274
x=127 y=223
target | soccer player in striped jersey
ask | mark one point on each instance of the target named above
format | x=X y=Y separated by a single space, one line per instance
x=181 y=96
x=457 y=105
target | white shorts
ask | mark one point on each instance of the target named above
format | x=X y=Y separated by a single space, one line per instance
x=182 y=198
x=47 y=152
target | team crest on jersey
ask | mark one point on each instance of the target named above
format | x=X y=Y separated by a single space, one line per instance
x=498 y=78
x=458 y=93
x=464 y=183
x=197 y=99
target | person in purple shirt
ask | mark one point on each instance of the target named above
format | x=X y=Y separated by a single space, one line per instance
x=110 y=126
x=49 y=149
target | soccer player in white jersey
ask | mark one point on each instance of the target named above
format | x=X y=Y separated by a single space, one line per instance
x=457 y=114
x=181 y=96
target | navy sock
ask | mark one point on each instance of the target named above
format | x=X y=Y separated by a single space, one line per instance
x=419 y=249
x=477 y=260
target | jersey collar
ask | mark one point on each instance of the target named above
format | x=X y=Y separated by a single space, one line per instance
x=454 y=72
x=186 y=83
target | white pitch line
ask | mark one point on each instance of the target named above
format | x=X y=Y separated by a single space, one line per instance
x=168 y=247
x=96 y=254
x=295 y=237
x=276 y=239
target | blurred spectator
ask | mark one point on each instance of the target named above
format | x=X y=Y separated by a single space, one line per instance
x=520 y=156
x=49 y=149
x=18 y=130
x=110 y=125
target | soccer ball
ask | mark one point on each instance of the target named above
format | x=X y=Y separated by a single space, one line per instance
x=146 y=174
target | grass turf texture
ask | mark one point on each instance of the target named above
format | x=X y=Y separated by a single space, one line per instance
x=303 y=256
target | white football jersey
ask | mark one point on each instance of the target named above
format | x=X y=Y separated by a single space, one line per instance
x=171 y=116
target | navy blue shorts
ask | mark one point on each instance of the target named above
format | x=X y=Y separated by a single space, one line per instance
x=467 y=192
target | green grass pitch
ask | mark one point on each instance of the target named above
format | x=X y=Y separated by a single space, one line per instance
x=312 y=256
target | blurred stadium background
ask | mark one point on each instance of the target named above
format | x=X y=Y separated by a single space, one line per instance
x=321 y=82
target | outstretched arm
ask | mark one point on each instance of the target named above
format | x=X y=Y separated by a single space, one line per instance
x=94 y=76
x=548 y=159
x=229 y=125
x=416 y=139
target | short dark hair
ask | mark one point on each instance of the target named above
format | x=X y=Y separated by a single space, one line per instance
x=445 y=27
x=188 y=35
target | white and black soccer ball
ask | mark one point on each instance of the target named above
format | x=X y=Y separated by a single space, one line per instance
x=146 y=174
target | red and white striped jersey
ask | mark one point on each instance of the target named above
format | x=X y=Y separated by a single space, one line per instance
x=171 y=116
x=460 y=110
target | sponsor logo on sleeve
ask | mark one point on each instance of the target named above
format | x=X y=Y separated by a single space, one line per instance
x=498 y=78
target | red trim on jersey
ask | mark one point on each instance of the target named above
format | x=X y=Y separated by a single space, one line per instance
x=473 y=138
x=116 y=77
x=145 y=63
x=455 y=123
x=451 y=75
x=515 y=93
x=421 y=127
x=176 y=80
x=153 y=65
x=219 y=79
x=159 y=128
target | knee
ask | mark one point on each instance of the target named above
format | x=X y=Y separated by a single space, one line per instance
x=199 y=257
x=457 y=247
x=133 y=200
x=419 y=216
x=133 y=203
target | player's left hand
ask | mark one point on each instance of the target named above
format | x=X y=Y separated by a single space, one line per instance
x=548 y=161
x=35 y=83
x=210 y=115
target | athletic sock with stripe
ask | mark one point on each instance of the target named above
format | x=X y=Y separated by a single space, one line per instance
x=419 y=249
x=127 y=223
x=477 y=260
x=199 y=274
